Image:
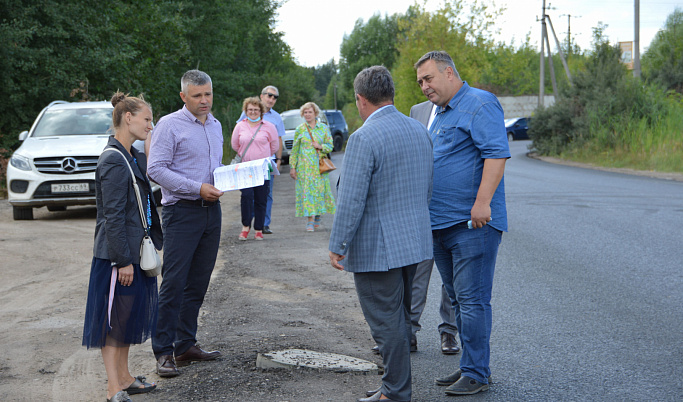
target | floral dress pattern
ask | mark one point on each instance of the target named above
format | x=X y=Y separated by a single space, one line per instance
x=313 y=192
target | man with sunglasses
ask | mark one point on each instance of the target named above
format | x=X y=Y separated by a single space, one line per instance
x=269 y=96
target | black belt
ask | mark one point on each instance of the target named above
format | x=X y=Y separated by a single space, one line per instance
x=198 y=203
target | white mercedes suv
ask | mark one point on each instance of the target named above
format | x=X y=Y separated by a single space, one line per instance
x=55 y=165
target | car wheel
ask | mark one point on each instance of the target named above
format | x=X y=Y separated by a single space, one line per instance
x=511 y=137
x=56 y=208
x=338 y=143
x=22 y=213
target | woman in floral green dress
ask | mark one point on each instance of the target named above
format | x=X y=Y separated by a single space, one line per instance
x=312 y=140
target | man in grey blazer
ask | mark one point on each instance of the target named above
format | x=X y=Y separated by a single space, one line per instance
x=381 y=230
x=424 y=113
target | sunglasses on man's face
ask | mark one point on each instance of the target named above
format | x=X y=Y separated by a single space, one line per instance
x=272 y=95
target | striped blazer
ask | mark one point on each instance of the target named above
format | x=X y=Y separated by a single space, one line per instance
x=382 y=219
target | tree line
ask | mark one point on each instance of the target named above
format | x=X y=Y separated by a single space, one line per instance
x=84 y=50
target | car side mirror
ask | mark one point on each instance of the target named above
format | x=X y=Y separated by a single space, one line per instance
x=23 y=135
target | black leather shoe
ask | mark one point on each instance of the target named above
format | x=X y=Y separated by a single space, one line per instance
x=466 y=386
x=266 y=230
x=166 y=367
x=373 y=392
x=375 y=350
x=196 y=354
x=449 y=344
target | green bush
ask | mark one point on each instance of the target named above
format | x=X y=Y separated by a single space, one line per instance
x=610 y=118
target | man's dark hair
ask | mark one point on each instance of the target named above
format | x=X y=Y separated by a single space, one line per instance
x=375 y=84
x=441 y=58
x=194 y=78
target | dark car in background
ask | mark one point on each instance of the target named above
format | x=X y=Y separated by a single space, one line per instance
x=338 y=128
x=517 y=128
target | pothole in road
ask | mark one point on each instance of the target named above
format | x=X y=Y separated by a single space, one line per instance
x=298 y=358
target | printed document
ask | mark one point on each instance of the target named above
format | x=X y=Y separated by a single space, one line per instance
x=244 y=175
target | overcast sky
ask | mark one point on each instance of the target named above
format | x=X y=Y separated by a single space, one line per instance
x=315 y=28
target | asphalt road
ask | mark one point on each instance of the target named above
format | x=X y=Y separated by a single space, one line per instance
x=588 y=292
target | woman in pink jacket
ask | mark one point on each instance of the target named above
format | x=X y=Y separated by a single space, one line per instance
x=253 y=138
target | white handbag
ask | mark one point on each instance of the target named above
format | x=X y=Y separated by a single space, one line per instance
x=150 y=261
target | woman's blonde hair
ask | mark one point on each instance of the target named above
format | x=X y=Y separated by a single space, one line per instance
x=123 y=103
x=253 y=100
x=308 y=105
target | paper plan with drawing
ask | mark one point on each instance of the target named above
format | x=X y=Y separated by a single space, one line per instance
x=244 y=175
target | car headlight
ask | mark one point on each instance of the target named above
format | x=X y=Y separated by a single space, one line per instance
x=20 y=162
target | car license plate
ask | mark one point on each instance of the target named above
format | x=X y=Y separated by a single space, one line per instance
x=70 y=188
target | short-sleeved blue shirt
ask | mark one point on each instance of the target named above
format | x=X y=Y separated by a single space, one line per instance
x=469 y=129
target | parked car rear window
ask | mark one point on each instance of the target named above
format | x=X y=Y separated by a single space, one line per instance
x=74 y=122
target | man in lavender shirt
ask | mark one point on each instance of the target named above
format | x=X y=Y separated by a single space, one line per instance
x=186 y=147
x=269 y=96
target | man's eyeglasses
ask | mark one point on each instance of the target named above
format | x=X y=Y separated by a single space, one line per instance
x=271 y=95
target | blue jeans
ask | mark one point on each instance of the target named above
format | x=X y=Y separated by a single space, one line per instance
x=466 y=260
x=269 y=204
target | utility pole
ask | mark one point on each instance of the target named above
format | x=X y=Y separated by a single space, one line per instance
x=545 y=43
x=559 y=50
x=569 y=31
x=550 y=64
x=636 y=39
x=541 y=88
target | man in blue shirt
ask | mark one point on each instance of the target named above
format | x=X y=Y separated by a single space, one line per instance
x=470 y=151
x=269 y=96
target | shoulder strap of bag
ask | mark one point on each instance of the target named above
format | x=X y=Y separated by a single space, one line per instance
x=310 y=134
x=135 y=187
x=252 y=140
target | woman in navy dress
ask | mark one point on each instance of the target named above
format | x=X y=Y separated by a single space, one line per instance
x=122 y=302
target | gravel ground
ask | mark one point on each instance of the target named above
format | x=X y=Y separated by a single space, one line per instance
x=272 y=295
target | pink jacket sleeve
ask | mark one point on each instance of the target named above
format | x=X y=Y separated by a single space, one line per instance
x=235 y=139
